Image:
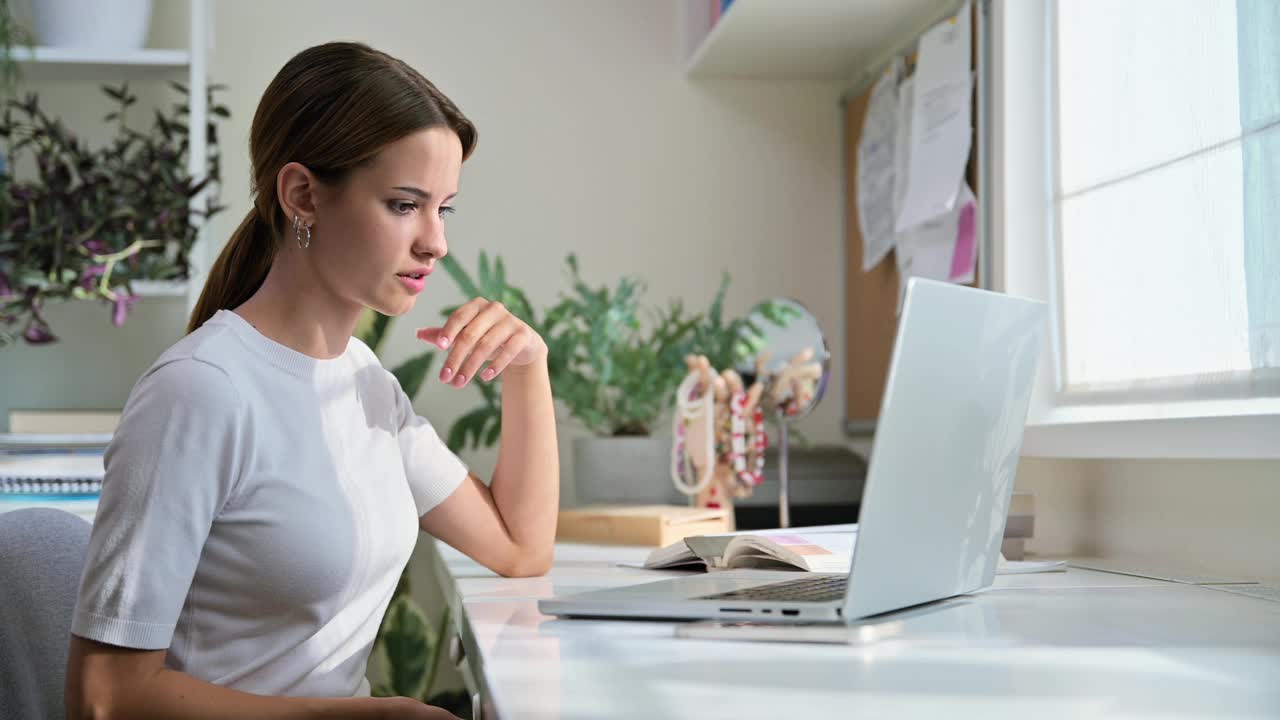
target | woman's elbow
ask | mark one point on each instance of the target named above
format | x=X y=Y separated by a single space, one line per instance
x=81 y=704
x=532 y=563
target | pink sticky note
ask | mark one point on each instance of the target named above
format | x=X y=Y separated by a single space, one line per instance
x=965 y=254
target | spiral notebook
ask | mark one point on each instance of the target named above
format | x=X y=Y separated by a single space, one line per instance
x=68 y=481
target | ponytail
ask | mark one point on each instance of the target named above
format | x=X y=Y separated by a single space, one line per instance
x=239 y=270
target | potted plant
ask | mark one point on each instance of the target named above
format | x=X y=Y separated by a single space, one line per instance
x=612 y=369
x=94 y=222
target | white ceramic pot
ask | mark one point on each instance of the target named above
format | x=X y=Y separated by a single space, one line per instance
x=96 y=25
x=624 y=470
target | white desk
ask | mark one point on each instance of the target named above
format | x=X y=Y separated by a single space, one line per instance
x=1074 y=645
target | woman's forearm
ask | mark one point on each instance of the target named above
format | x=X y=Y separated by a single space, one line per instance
x=526 y=480
x=171 y=694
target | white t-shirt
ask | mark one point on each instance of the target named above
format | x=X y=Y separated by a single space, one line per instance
x=258 y=508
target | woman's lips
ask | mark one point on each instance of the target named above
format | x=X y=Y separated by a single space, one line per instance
x=413 y=283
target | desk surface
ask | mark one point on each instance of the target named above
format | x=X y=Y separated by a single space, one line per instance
x=1077 y=644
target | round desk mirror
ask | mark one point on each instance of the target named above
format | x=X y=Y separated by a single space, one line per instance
x=793 y=361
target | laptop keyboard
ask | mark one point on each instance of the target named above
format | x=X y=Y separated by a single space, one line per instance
x=819 y=589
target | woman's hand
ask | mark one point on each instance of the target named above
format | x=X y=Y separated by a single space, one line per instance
x=406 y=708
x=482 y=331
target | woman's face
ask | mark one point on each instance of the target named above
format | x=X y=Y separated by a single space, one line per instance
x=378 y=235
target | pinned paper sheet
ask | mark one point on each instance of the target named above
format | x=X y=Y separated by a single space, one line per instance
x=941 y=122
x=965 y=256
x=876 y=169
x=902 y=144
x=942 y=249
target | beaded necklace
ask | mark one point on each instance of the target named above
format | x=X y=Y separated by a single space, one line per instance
x=691 y=408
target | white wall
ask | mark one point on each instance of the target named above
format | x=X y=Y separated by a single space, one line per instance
x=592 y=140
x=1214 y=516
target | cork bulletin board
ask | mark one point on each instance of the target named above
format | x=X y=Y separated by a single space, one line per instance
x=871 y=298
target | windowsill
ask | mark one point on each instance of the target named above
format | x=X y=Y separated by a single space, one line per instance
x=1220 y=429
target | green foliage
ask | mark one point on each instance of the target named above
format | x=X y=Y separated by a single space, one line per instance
x=412 y=372
x=94 y=220
x=614 y=370
x=412 y=649
x=618 y=374
x=403 y=635
x=728 y=344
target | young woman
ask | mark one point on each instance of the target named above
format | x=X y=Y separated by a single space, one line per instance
x=269 y=478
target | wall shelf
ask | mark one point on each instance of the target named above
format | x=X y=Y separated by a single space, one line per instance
x=175 y=58
x=817 y=40
x=161 y=288
x=99 y=66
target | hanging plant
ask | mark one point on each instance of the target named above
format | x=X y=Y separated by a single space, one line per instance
x=91 y=221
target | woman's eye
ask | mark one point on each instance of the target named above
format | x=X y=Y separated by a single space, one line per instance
x=445 y=210
x=400 y=207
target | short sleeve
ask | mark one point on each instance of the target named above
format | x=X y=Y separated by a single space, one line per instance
x=171 y=466
x=433 y=470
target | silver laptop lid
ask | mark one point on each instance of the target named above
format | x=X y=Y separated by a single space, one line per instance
x=946 y=446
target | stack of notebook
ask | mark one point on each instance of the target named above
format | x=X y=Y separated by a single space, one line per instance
x=62 y=471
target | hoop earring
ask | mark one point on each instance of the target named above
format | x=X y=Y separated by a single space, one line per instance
x=298 y=227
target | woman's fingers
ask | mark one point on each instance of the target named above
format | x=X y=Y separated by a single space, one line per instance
x=489 y=346
x=431 y=335
x=466 y=336
x=515 y=343
x=458 y=320
x=482 y=332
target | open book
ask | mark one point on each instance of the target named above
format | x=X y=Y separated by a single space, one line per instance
x=828 y=552
x=823 y=548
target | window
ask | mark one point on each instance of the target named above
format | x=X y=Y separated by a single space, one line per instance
x=1164 y=125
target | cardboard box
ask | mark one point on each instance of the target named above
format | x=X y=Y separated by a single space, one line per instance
x=645 y=525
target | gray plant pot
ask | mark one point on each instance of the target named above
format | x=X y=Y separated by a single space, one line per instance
x=625 y=470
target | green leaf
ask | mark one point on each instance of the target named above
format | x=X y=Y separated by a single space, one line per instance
x=464 y=282
x=413 y=371
x=407 y=642
x=483 y=273
x=372 y=329
x=468 y=429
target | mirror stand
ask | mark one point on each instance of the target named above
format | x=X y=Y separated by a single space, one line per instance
x=784 y=486
x=792 y=364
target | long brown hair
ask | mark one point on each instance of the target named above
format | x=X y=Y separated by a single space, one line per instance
x=332 y=107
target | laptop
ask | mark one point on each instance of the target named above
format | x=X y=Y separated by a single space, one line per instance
x=938 y=483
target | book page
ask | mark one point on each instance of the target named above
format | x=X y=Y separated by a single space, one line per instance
x=709 y=547
x=676 y=555
x=815 y=552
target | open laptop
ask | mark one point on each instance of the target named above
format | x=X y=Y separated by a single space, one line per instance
x=937 y=489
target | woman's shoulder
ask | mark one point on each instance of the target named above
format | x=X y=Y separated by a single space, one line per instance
x=211 y=343
x=198 y=366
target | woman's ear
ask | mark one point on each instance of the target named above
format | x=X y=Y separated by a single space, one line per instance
x=297 y=189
